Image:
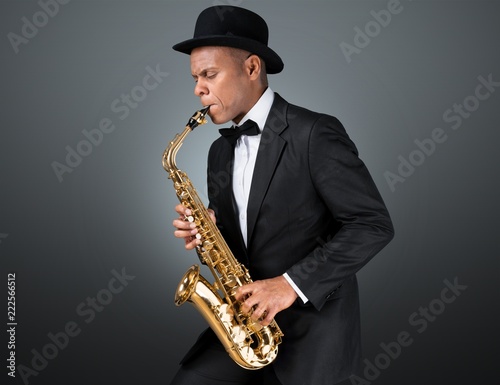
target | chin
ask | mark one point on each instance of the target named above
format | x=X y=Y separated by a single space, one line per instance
x=214 y=119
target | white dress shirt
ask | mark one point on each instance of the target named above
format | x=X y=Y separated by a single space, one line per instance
x=245 y=155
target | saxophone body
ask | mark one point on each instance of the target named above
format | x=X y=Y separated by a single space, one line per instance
x=248 y=343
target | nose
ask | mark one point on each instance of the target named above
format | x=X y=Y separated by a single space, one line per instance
x=200 y=88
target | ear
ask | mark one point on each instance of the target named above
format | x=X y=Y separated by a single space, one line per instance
x=253 y=66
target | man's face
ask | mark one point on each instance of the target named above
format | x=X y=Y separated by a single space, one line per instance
x=221 y=82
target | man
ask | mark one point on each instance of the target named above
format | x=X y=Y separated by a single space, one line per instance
x=300 y=211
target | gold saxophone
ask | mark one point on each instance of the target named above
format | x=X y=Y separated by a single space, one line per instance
x=248 y=343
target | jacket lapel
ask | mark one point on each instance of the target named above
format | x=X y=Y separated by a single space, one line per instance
x=270 y=149
x=225 y=163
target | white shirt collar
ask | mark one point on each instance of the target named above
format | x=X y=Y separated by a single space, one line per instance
x=259 y=112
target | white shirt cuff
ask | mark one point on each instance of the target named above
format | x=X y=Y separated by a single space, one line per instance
x=296 y=288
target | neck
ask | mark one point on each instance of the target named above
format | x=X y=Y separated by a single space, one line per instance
x=252 y=101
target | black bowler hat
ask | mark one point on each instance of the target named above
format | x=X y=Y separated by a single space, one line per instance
x=235 y=27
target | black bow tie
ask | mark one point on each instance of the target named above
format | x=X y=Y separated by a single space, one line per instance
x=249 y=128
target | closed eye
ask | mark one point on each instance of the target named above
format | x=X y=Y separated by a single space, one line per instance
x=205 y=74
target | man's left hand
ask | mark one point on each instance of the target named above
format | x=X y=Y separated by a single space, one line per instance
x=266 y=297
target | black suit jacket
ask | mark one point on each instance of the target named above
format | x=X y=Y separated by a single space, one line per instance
x=315 y=213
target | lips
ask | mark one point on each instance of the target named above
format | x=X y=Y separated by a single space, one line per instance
x=211 y=109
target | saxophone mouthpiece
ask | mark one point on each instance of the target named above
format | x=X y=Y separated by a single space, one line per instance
x=198 y=118
x=205 y=109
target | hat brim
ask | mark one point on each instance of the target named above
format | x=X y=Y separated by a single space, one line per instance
x=274 y=64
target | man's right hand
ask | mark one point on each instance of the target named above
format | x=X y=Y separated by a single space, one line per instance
x=186 y=229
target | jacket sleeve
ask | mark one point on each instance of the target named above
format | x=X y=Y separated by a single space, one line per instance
x=364 y=226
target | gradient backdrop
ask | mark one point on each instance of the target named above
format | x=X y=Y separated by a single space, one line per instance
x=79 y=207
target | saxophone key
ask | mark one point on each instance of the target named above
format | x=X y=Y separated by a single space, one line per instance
x=231 y=281
x=254 y=326
x=248 y=353
x=207 y=245
x=226 y=313
x=238 y=334
x=265 y=350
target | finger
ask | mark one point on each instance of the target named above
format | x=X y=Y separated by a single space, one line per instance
x=185 y=233
x=268 y=318
x=243 y=291
x=182 y=210
x=182 y=224
x=258 y=313
x=191 y=243
x=211 y=213
x=250 y=304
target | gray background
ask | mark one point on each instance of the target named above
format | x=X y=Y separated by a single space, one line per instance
x=114 y=211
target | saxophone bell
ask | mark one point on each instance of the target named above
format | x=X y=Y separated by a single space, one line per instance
x=187 y=285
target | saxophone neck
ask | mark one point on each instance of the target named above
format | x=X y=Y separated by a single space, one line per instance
x=170 y=152
x=198 y=118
